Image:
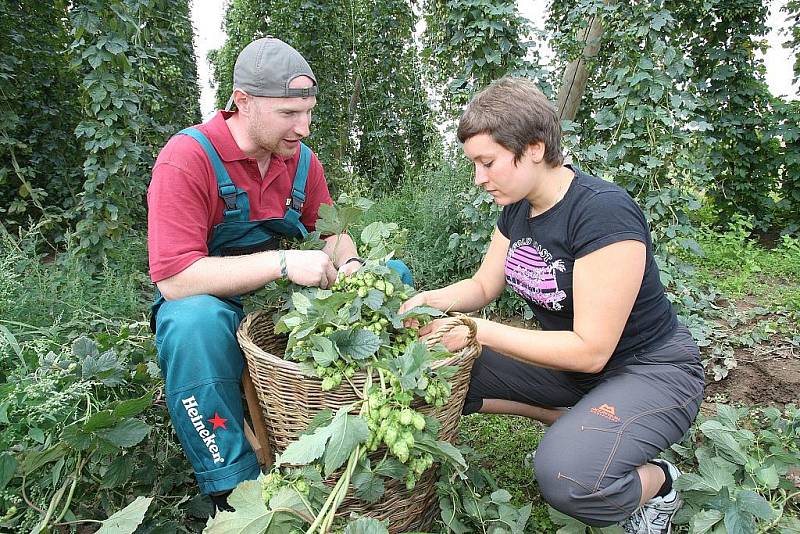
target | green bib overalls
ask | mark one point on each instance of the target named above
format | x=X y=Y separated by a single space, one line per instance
x=198 y=352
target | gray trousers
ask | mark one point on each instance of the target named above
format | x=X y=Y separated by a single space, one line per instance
x=618 y=420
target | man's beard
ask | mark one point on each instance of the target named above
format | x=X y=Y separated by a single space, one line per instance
x=263 y=140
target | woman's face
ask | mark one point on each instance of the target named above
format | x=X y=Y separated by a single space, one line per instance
x=496 y=172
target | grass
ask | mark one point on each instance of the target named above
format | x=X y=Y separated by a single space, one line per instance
x=501 y=444
x=47 y=302
x=49 y=383
x=737 y=266
x=36 y=292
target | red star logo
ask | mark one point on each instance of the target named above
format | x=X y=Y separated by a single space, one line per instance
x=218 y=421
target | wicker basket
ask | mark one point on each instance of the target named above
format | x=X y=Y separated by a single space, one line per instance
x=289 y=400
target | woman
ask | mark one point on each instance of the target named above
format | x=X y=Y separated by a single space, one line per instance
x=612 y=371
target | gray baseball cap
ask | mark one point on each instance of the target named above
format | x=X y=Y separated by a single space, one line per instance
x=267 y=66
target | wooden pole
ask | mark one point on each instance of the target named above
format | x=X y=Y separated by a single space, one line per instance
x=258 y=436
x=576 y=74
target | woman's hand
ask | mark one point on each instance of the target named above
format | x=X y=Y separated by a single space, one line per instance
x=413 y=302
x=348 y=268
x=454 y=340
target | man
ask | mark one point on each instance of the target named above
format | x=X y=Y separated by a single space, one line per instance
x=221 y=196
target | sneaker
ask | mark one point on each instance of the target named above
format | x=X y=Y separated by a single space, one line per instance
x=655 y=516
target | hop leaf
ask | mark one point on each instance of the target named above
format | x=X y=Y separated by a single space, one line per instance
x=128 y=519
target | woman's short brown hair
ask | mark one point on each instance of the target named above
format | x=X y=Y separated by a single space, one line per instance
x=515 y=113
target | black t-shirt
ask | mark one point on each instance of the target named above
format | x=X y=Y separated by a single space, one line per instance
x=543 y=249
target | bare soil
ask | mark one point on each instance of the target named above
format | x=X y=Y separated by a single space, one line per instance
x=767 y=374
x=765 y=380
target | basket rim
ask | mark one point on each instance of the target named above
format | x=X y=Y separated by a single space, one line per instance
x=252 y=349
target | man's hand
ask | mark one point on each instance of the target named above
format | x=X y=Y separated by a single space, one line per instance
x=312 y=268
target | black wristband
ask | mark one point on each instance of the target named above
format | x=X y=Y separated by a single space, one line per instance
x=362 y=261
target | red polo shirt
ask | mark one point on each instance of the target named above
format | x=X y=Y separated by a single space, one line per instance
x=184 y=203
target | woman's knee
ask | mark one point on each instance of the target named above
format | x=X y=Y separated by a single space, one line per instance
x=564 y=485
x=554 y=470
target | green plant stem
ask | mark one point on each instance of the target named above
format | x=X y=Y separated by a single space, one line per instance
x=324 y=509
x=355 y=389
x=78 y=522
x=477 y=508
x=340 y=490
x=336 y=246
x=351 y=466
x=775 y=521
x=25 y=495
x=383 y=380
x=75 y=478
x=50 y=509
x=307 y=505
x=21 y=176
x=88 y=407
x=12 y=342
x=365 y=391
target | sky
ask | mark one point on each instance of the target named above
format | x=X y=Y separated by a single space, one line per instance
x=207 y=18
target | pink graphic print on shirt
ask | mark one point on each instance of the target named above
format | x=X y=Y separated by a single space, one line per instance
x=531 y=273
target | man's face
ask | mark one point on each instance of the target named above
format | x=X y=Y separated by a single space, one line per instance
x=276 y=125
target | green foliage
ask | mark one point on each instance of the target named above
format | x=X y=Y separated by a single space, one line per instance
x=500 y=445
x=632 y=126
x=732 y=260
x=740 y=471
x=472 y=230
x=676 y=111
x=470 y=43
x=40 y=172
x=744 y=157
x=787 y=130
x=677 y=106
x=792 y=11
x=428 y=204
x=78 y=393
x=74 y=428
x=476 y=504
x=374 y=115
x=732 y=251
x=356 y=327
x=452 y=221
x=96 y=72
x=121 y=58
x=171 y=70
x=128 y=519
x=734 y=266
x=58 y=297
x=388 y=104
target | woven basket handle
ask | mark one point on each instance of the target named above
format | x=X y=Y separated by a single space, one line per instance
x=453 y=322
